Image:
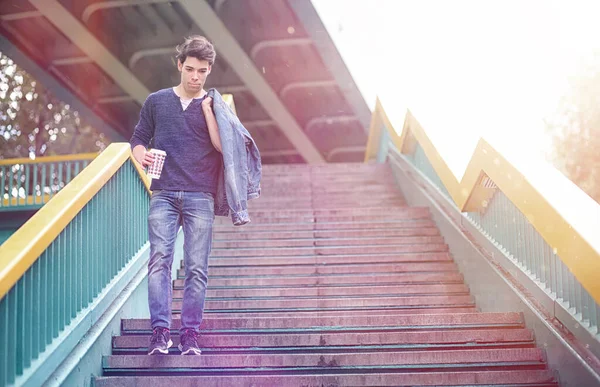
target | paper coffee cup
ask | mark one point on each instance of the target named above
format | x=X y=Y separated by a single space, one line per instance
x=156 y=167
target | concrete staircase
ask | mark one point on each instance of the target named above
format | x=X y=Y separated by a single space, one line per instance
x=336 y=282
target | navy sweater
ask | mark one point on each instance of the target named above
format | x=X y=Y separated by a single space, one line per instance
x=192 y=162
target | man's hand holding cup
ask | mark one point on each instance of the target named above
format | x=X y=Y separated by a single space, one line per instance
x=153 y=160
x=142 y=156
x=148 y=159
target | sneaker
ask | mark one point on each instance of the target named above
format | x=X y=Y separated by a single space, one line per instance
x=189 y=343
x=160 y=342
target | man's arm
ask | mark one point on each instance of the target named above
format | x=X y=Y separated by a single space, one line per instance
x=142 y=156
x=211 y=122
x=144 y=130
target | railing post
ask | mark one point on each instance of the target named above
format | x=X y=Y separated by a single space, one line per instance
x=384 y=143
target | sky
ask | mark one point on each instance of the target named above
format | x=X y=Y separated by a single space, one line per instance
x=467 y=68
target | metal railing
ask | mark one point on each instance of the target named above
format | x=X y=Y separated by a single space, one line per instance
x=512 y=232
x=419 y=159
x=512 y=213
x=30 y=183
x=54 y=266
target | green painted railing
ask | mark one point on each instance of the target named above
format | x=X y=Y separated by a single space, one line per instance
x=499 y=218
x=505 y=225
x=54 y=266
x=419 y=159
x=29 y=183
x=512 y=232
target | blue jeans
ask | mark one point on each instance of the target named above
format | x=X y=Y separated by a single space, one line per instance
x=194 y=212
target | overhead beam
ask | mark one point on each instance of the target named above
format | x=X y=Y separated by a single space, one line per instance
x=308 y=16
x=138 y=55
x=206 y=18
x=72 y=61
x=304 y=85
x=258 y=123
x=65 y=22
x=18 y=36
x=90 y=9
x=310 y=125
x=66 y=80
x=115 y=99
x=58 y=90
x=345 y=149
x=219 y=5
x=258 y=47
x=20 y=15
x=278 y=153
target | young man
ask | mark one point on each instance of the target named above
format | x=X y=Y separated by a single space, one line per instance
x=181 y=122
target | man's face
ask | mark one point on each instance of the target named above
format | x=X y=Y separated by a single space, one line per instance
x=193 y=74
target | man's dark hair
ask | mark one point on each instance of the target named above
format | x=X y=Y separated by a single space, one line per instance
x=197 y=47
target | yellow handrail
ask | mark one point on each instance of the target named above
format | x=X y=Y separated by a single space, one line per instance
x=566 y=238
x=23 y=248
x=49 y=159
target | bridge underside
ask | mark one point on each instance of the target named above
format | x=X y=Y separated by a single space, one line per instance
x=291 y=87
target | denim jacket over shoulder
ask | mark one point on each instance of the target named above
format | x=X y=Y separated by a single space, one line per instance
x=239 y=179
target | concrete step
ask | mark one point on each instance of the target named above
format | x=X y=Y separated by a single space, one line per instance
x=341 y=192
x=331 y=291
x=270 y=220
x=513 y=378
x=263 y=216
x=303 y=242
x=377 y=183
x=391 y=216
x=315 y=234
x=359 y=174
x=412 y=240
x=331 y=175
x=330 y=312
x=376 y=210
x=390 y=233
x=332 y=226
x=326 y=183
x=349 y=167
x=300 y=193
x=329 y=250
x=235 y=244
x=337 y=341
x=296 y=193
x=355 y=280
x=379 y=224
x=408 y=361
x=315 y=175
x=324 y=203
x=330 y=180
x=368 y=323
x=316 y=270
x=348 y=302
x=334 y=180
x=228 y=228
x=328 y=259
x=373 y=198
